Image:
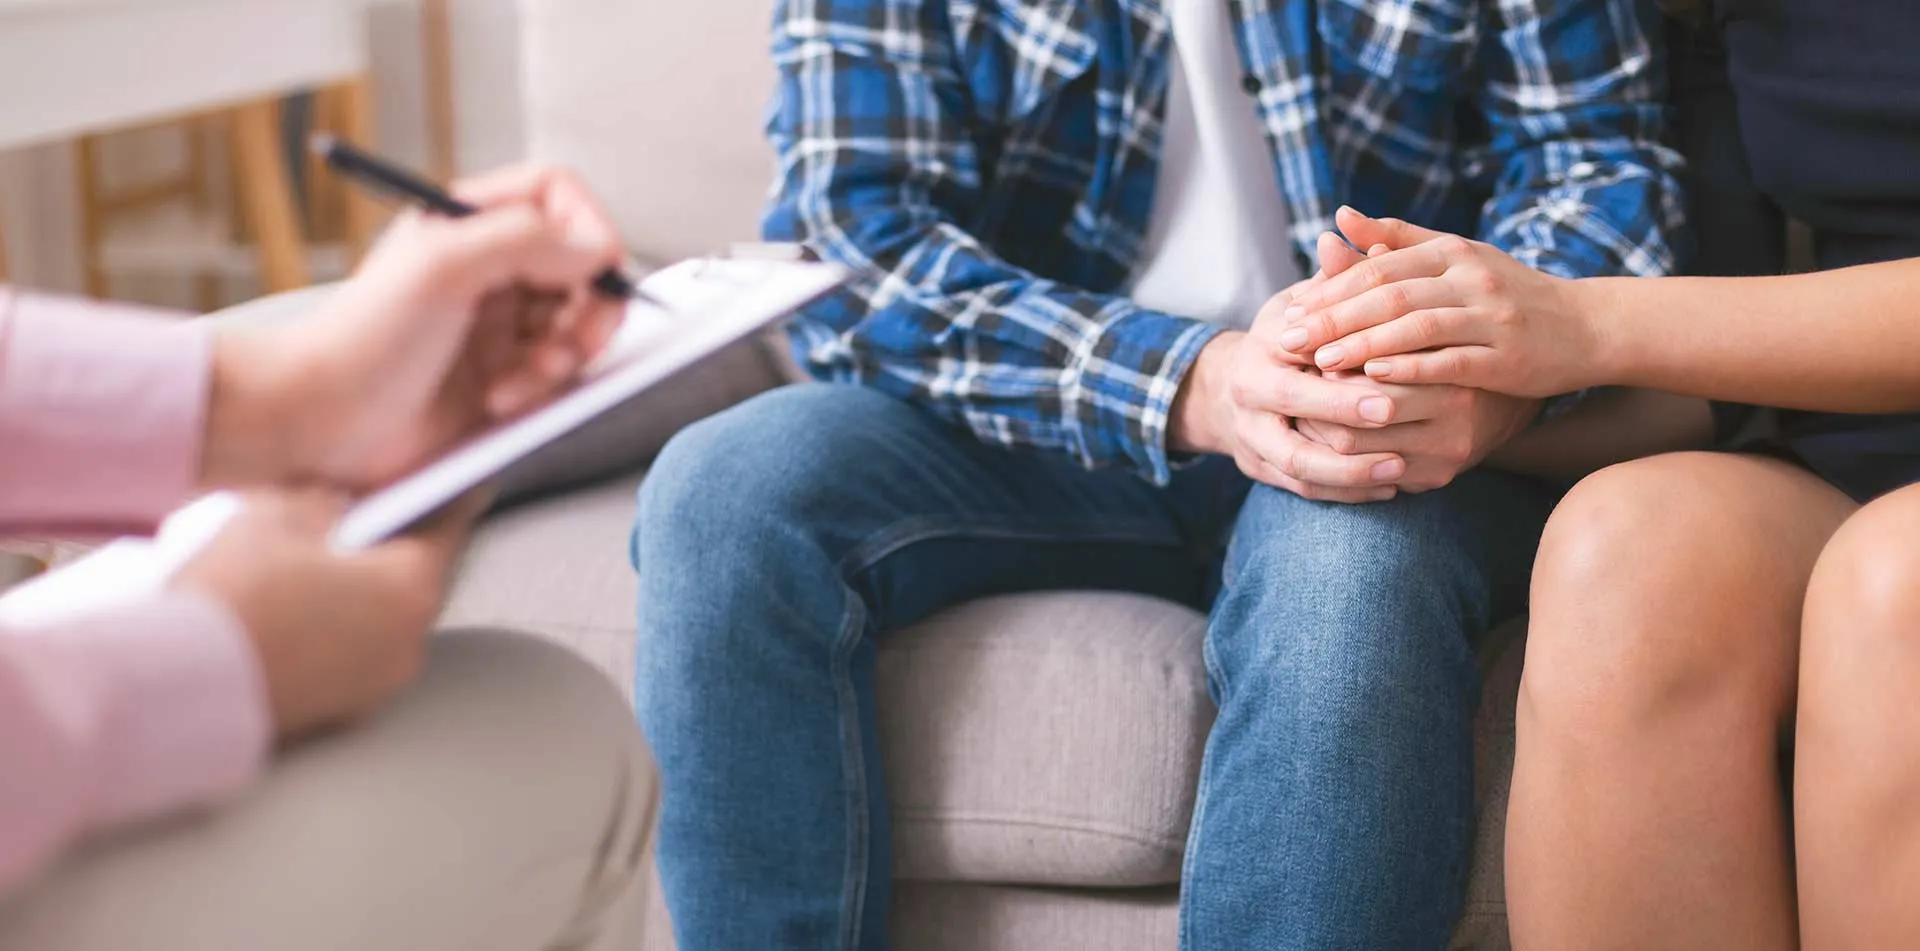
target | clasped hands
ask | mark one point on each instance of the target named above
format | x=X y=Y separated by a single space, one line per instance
x=1377 y=376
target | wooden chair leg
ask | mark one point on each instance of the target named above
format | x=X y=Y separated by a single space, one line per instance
x=266 y=195
x=353 y=106
x=436 y=31
x=86 y=165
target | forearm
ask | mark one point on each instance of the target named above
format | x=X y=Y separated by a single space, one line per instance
x=102 y=411
x=1837 y=341
x=1610 y=427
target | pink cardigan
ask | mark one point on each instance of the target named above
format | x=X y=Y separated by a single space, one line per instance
x=136 y=711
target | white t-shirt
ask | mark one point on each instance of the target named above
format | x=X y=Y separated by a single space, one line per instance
x=1217 y=243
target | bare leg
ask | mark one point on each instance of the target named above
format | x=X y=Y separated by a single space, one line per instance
x=1857 y=769
x=1646 y=810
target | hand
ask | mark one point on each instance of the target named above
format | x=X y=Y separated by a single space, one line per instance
x=1240 y=400
x=1219 y=406
x=448 y=326
x=1448 y=430
x=1446 y=310
x=336 y=635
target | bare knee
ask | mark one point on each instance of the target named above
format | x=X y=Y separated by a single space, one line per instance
x=1657 y=586
x=1864 y=599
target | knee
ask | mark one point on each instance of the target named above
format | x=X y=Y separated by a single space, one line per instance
x=770 y=461
x=1626 y=564
x=1864 y=599
x=1356 y=605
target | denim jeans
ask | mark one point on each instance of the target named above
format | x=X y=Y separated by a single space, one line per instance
x=779 y=541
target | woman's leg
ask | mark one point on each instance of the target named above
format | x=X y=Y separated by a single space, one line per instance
x=1857 y=763
x=1646 y=810
x=502 y=804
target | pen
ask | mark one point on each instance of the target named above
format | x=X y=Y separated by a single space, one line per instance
x=367 y=170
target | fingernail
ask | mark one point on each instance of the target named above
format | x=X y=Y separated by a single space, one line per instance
x=1294 y=339
x=1390 y=470
x=1330 y=357
x=1384 y=495
x=1379 y=367
x=1376 y=409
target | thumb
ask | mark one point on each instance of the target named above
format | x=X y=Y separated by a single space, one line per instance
x=1366 y=232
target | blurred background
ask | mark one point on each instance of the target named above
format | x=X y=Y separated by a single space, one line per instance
x=150 y=150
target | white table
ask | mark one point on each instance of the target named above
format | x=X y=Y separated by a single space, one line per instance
x=73 y=67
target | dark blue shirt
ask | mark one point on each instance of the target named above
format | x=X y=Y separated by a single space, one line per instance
x=1827 y=99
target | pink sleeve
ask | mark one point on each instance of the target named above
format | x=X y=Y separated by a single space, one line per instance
x=138 y=710
x=102 y=409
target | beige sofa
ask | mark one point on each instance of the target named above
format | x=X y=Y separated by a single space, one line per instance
x=1021 y=824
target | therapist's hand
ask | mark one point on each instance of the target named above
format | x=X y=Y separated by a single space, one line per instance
x=448 y=326
x=335 y=635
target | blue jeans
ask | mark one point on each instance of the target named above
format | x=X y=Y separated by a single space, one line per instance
x=778 y=541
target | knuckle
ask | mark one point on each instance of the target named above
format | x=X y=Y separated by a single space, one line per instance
x=1454 y=247
x=1370 y=274
x=1425 y=324
x=1483 y=280
x=1397 y=298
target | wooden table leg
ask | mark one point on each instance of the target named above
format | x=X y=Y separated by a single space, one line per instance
x=353 y=101
x=266 y=196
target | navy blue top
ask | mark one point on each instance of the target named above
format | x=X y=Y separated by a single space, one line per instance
x=1827 y=99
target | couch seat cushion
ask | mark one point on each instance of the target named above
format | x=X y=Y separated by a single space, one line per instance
x=1045 y=738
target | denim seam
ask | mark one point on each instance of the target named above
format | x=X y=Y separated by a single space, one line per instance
x=853 y=762
x=892 y=539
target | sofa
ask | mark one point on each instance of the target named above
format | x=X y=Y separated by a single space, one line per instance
x=1042 y=750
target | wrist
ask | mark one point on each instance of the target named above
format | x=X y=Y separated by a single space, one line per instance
x=255 y=426
x=1597 y=304
x=1193 y=427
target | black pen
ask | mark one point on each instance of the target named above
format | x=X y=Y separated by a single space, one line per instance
x=362 y=168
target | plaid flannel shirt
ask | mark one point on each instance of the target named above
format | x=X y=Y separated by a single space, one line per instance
x=987 y=168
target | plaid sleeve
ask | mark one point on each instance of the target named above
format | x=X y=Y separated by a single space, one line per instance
x=1575 y=105
x=877 y=167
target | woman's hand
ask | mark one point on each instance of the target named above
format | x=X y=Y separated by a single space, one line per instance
x=1445 y=309
x=335 y=635
x=448 y=326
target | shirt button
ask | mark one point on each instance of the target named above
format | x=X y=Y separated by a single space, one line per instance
x=1582 y=169
x=1250 y=84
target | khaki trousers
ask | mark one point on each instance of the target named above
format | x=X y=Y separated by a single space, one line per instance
x=503 y=803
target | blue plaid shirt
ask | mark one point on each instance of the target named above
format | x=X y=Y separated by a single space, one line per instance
x=987 y=169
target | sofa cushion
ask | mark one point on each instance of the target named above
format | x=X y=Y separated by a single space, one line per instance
x=658 y=103
x=1045 y=738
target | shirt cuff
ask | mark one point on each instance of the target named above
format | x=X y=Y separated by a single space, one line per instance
x=174 y=701
x=1125 y=386
x=102 y=410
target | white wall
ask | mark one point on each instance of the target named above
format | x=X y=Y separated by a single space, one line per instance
x=37 y=207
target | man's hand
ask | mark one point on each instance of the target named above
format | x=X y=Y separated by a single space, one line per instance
x=335 y=635
x=448 y=326
x=1442 y=309
x=1448 y=430
x=1240 y=399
